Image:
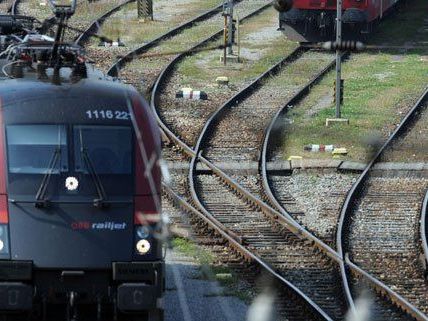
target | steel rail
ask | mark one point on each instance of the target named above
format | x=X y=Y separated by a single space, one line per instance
x=162 y=77
x=189 y=151
x=288 y=223
x=282 y=218
x=247 y=254
x=353 y=195
x=244 y=93
x=423 y=229
x=263 y=159
x=120 y=63
x=395 y=298
x=214 y=118
x=291 y=225
x=14 y=7
x=94 y=26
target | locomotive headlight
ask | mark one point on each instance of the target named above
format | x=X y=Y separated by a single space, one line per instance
x=143 y=232
x=2 y=237
x=143 y=246
x=4 y=244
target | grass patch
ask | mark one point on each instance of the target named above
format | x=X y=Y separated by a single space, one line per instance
x=126 y=25
x=203 y=68
x=209 y=271
x=203 y=257
x=379 y=88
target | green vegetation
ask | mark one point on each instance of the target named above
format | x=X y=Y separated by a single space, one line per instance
x=126 y=25
x=261 y=47
x=379 y=89
x=209 y=270
x=86 y=11
x=202 y=256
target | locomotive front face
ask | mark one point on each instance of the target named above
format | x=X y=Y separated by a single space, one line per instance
x=315 y=20
x=77 y=214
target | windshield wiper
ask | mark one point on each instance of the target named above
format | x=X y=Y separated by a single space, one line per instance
x=40 y=196
x=102 y=198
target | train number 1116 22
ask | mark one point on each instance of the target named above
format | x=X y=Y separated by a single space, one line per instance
x=108 y=114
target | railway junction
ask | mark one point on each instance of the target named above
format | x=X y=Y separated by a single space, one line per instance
x=278 y=206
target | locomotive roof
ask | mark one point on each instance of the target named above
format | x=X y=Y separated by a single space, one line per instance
x=92 y=73
x=31 y=88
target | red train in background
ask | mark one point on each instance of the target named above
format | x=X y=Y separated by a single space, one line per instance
x=314 y=20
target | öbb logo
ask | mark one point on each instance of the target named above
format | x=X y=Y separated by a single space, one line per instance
x=85 y=225
x=81 y=225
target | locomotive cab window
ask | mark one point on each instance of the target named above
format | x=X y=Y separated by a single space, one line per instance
x=108 y=149
x=37 y=149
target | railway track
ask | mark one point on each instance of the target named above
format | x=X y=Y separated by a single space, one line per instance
x=276 y=184
x=256 y=203
x=379 y=226
x=315 y=274
x=278 y=236
x=215 y=224
x=94 y=27
x=242 y=249
x=295 y=305
x=235 y=133
x=134 y=53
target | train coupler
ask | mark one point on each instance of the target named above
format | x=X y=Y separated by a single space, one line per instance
x=136 y=297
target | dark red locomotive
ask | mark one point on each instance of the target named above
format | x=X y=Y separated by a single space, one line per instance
x=79 y=192
x=314 y=20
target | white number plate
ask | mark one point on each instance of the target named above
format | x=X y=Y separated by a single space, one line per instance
x=108 y=114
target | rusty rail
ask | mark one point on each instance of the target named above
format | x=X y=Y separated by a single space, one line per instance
x=263 y=159
x=248 y=255
x=423 y=228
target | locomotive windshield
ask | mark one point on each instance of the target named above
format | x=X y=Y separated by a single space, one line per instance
x=108 y=147
x=69 y=152
x=31 y=148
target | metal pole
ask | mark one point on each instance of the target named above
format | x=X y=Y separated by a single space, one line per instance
x=238 y=37
x=230 y=26
x=225 y=40
x=338 y=59
x=145 y=9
